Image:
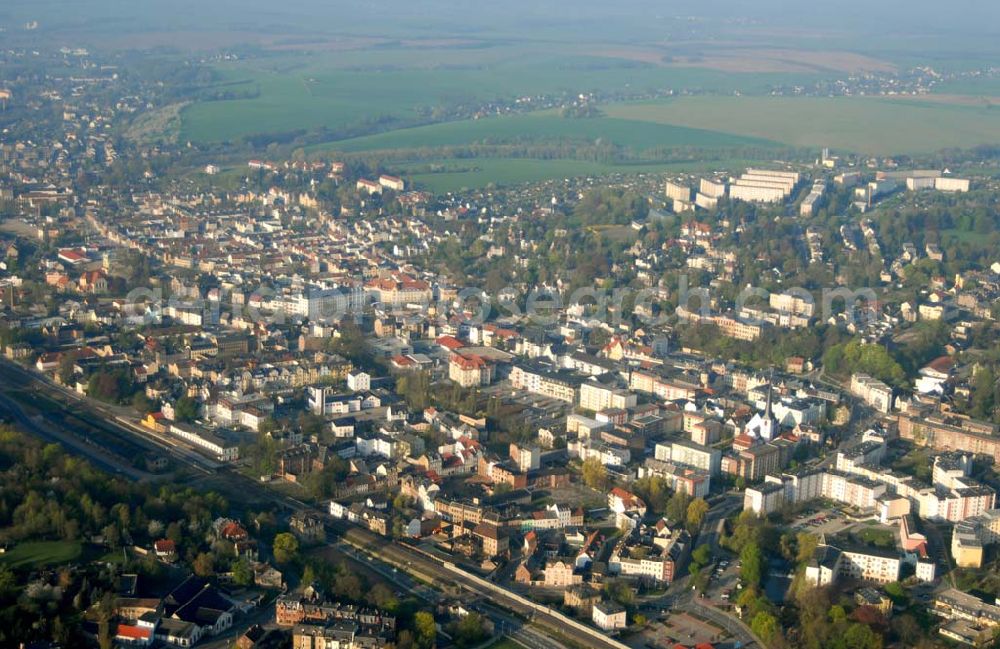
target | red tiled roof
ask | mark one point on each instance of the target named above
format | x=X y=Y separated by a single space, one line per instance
x=449 y=342
x=233 y=529
x=72 y=255
x=165 y=545
x=133 y=632
x=469 y=362
x=942 y=364
x=629 y=499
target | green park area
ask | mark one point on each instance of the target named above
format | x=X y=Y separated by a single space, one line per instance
x=41 y=553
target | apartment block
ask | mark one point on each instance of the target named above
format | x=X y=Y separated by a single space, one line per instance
x=690 y=454
x=873 y=392
x=831 y=563
x=596 y=397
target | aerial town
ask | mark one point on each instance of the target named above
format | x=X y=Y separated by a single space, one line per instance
x=304 y=401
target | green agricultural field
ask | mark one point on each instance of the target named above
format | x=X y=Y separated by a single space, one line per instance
x=41 y=553
x=971 y=87
x=546 y=126
x=358 y=87
x=864 y=125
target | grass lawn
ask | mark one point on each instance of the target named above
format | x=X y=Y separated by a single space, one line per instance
x=974 y=239
x=41 y=553
x=876 y=536
x=865 y=125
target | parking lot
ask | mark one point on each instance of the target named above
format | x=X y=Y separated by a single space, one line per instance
x=682 y=628
x=723 y=580
x=828 y=523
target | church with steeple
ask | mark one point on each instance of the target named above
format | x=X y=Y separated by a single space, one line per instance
x=763 y=427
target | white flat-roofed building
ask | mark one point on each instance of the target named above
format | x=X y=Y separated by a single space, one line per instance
x=830 y=563
x=765 y=498
x=811 y=202
x=677 y=192
x=918 y=183
x=848 y=179
x=870 y=564
x=947 y=184
x=756 y=193
x=712 y=189
x=596 y=397
x=970 y=537
x=792 y=176
x=215 y=445
x=706 y=202
x=689 y=454
x=693 y=482
x=799 y=304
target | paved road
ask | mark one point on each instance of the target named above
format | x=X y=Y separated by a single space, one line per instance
x=732 y=624
x=680 y=597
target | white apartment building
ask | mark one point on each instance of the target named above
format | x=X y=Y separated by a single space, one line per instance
x=797 y=303
x=609 y=616
x=677 y=192
x=750 y=192
x=810 y=484
x=207 y=441
x=870 y=564
x=712 y=189
x=873 y=392
x=944 y=184
x=830 y=563
x=596 y=397
x=811 y=202
x=359 y=381
x=689 y=454
x=320 y=304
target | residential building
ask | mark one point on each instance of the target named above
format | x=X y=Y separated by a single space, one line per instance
x=469 y=370
x=830 y=563
x=950 y=433
x=596 y=397
x=359 y=381
x=689 y=454
x=561 y=384
x=609 y=616
x=873 y=392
